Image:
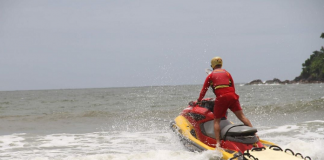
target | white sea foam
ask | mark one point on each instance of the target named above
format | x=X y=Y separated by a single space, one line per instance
x=149 y=155
x=306 y=138
x=281 y=129
x=99 y=146
x=317 y=121
x=122 y=144
x=313 y=149
x=11 y=141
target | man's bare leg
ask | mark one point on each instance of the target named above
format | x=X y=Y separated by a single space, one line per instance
x=217 y=131
x=240 y=115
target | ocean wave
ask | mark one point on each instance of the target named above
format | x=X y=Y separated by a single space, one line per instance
x=84 y=114
x=59 y=115
x=99 y=145
x=296 y=107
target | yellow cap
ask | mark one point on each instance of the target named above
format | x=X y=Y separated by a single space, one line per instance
x=216 y=61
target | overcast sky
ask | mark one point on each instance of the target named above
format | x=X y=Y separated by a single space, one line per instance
x=58 y=44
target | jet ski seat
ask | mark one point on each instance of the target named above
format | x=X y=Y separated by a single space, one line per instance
x=208 y=127
x=229 y=131
x=237 y=130
x=239 y=133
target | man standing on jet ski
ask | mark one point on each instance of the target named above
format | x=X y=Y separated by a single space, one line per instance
x=222 y=84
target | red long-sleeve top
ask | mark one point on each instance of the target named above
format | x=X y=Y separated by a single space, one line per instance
x=218 y=78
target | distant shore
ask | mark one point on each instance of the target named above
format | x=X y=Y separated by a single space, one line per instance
x=278 y=81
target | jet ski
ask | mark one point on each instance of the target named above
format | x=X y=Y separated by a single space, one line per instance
x=195 y=128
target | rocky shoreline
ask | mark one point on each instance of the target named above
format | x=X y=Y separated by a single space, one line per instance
x=278 y=81
x=312 y=71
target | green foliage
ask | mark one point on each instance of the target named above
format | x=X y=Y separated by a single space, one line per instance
x=313 y=68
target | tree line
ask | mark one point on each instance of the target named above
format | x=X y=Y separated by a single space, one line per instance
x=313 y=67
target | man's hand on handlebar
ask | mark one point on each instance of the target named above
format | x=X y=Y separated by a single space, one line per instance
x=198 y=103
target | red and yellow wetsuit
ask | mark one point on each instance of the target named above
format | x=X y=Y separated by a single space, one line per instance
x=223 y=86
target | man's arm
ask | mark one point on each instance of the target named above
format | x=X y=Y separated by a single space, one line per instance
x=230 y=76
x=204 y=89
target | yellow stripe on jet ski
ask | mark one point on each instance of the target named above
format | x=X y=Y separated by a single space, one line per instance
x=185 y=127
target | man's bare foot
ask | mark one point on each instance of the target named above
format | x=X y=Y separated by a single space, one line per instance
x=218 y=145
x=219 y=148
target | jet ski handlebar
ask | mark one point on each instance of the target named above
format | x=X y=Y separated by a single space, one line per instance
x=209 y=104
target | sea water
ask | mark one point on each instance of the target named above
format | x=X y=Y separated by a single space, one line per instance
x=133 y=123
